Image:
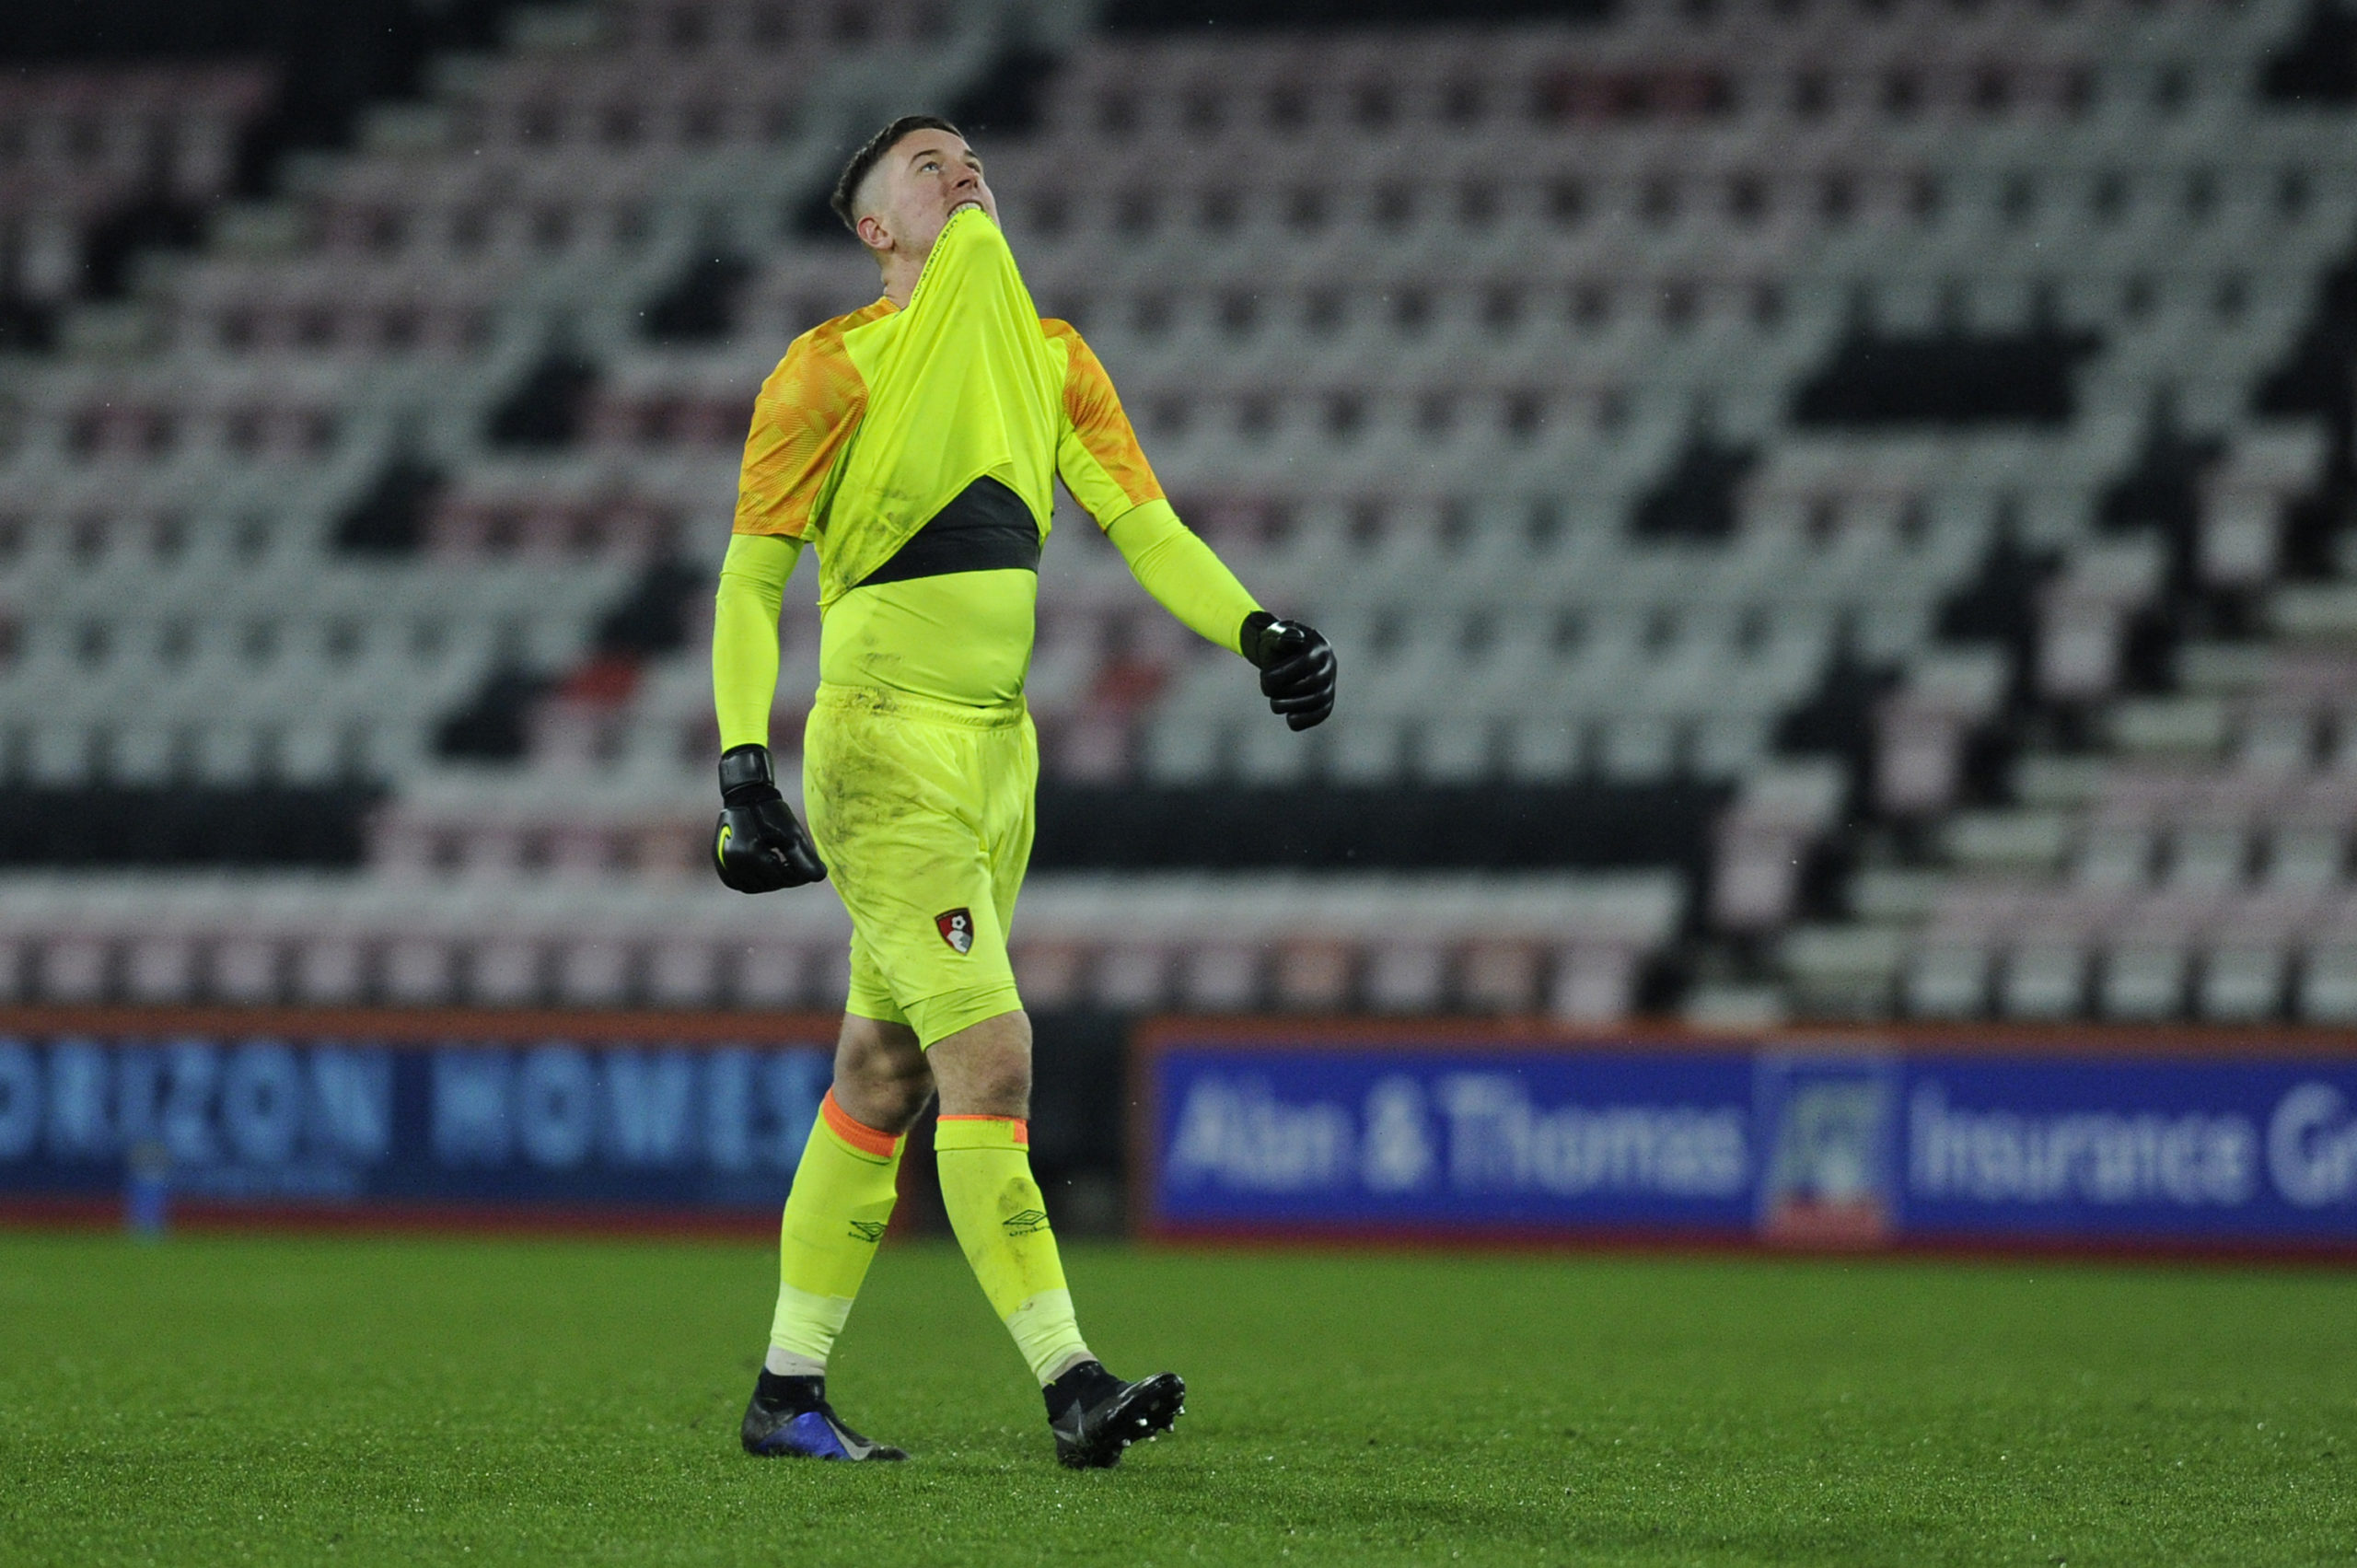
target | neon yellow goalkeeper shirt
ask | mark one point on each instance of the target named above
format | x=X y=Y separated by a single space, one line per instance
x=918 y=450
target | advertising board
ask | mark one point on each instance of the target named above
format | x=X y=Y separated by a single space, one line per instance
x=2161 y=1140
x=2166 y=1141
x=458 y=1114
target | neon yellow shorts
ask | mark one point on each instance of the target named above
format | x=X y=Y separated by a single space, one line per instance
x=923 y=812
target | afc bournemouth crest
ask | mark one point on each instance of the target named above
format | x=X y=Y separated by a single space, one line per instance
x=956 y=929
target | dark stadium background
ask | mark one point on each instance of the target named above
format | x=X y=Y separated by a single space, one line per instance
x=1876 y=886
x=1803 y=1009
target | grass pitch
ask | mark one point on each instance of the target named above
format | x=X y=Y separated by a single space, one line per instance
x=339 y=1401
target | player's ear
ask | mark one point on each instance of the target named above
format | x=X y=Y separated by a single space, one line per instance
x=872 y=234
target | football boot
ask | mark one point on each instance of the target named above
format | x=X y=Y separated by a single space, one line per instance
x=1095 y=1416
x=790 y=1418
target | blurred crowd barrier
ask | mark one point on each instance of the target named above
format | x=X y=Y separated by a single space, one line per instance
x=1980 y=1138
x=1269 y=1129
x=444 y=1118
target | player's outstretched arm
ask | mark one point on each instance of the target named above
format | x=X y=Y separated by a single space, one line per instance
x=1170 y=562
x=744 y=635
x=1101 y=462
x=757 y=847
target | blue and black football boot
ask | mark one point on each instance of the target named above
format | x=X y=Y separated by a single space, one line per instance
x=1096 y=1416
x=789 y=1418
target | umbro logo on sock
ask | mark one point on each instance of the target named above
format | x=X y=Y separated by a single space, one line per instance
x=867 y=1230
x=1025 y=1221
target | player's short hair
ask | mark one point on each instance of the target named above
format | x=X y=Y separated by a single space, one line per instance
x=863 y=162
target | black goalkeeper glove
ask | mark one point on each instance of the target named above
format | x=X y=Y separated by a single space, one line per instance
x=759 y=845
x=1297 y=668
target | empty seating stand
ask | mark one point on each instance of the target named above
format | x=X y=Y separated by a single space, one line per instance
x=1571 y=945
x=79 y=146
x=1548 y=368
x=256 y=520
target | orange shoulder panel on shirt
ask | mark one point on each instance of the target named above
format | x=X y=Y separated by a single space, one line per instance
x=805 y=415
x=1097 y=418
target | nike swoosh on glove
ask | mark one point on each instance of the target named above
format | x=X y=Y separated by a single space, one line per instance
x=757 y=845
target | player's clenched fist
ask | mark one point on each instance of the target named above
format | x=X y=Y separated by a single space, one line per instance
x=759 y=845
x=1297 y=664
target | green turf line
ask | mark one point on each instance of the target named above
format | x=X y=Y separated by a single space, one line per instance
x=217 y=1400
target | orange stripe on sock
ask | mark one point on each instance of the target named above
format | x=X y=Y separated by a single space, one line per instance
x=1022 y=1128
x=858 y=1134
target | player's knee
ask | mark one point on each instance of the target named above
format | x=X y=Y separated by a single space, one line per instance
x=986 y=1070
x=889 y=1103
x=1002 y=1082
x=881 y=1077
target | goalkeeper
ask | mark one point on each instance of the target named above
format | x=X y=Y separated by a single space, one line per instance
x=915 y=444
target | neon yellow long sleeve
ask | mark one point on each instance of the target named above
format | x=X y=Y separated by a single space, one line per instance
x=744 y=635
x=1179 y=570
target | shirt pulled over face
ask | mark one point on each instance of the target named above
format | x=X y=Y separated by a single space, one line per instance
x=918 y=450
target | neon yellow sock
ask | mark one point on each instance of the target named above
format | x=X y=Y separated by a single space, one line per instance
x=1002 y=1222
x=840 y=1202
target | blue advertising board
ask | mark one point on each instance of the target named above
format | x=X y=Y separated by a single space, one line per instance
x=456 y=1113
x=1290 y=1130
